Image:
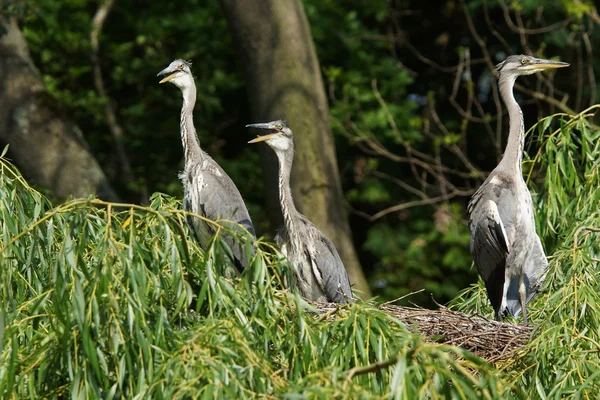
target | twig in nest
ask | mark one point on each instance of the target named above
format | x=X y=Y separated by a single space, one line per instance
x=403 y=297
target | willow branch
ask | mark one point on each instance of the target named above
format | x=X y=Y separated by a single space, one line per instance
x=376 y=366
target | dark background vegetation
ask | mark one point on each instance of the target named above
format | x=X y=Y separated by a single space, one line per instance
x=414 y=108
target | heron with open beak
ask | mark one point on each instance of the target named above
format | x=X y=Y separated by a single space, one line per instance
x=320 y=273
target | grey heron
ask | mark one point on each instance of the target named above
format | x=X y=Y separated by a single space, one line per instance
x=505 y=246
x=320 y=273
x=208 y=190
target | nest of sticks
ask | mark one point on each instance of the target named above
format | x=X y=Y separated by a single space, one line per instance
x=491 y=340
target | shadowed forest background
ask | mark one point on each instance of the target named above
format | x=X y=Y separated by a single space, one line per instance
x=414 y=111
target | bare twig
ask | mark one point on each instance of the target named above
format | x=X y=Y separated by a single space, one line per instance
x=522 y=31
x=428 y=201
x=482 y=44
x=400 y=183
x=589 y=229
x=522 y=34
x=561 y=105
x=594 y=16
x=497 y=35
x=403 y=297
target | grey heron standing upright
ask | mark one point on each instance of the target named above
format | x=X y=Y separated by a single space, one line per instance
x=208 y=190
x=320 y=273
x=505 y=246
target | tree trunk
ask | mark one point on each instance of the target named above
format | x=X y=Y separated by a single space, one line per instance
x=284 y=81
x=45 y=145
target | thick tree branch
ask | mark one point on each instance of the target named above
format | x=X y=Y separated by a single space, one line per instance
x=46 y=146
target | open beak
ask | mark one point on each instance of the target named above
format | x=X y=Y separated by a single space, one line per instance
x=167 y=78
x=547 y=64
x=266 y=127
x=263 y=138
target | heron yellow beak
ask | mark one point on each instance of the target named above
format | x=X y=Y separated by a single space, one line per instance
x=262 y=138
x=550 y=65
x=168 y=78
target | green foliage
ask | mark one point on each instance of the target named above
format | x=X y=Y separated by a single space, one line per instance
x=569 y=173
x=95 y=303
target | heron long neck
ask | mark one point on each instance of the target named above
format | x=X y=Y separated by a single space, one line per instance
x=290 y=213
x=189 y=140
x=513 y=154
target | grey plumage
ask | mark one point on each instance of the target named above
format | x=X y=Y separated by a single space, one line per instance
x=320 y=273
x=506 y=249
x=208 y=190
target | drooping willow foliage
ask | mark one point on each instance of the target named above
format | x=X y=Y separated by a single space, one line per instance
x=96 y=301
x=102 y=300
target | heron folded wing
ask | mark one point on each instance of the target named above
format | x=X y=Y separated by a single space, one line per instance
x=202 y=231
x=330 y=272
x=219 y=198
x=489 y=247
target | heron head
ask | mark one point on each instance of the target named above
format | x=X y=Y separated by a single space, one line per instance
x=179 y=73
x=526 y=65
x=279 y=135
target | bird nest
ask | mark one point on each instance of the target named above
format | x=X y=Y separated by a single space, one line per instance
x=491 y=340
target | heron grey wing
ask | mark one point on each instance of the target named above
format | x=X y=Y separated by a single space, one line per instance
x=202 y=231
x=329 y=270
x=489 y=247
x=222 y=199
x=219 y=198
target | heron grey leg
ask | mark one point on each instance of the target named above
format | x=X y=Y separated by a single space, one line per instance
x=522 y=295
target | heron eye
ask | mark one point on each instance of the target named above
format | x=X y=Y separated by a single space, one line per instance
x=524 y=61
x=279 y=127
x=180 y=66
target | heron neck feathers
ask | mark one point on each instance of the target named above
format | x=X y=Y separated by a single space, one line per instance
x=189 y=139
x=513 y=154
x=288 y=208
